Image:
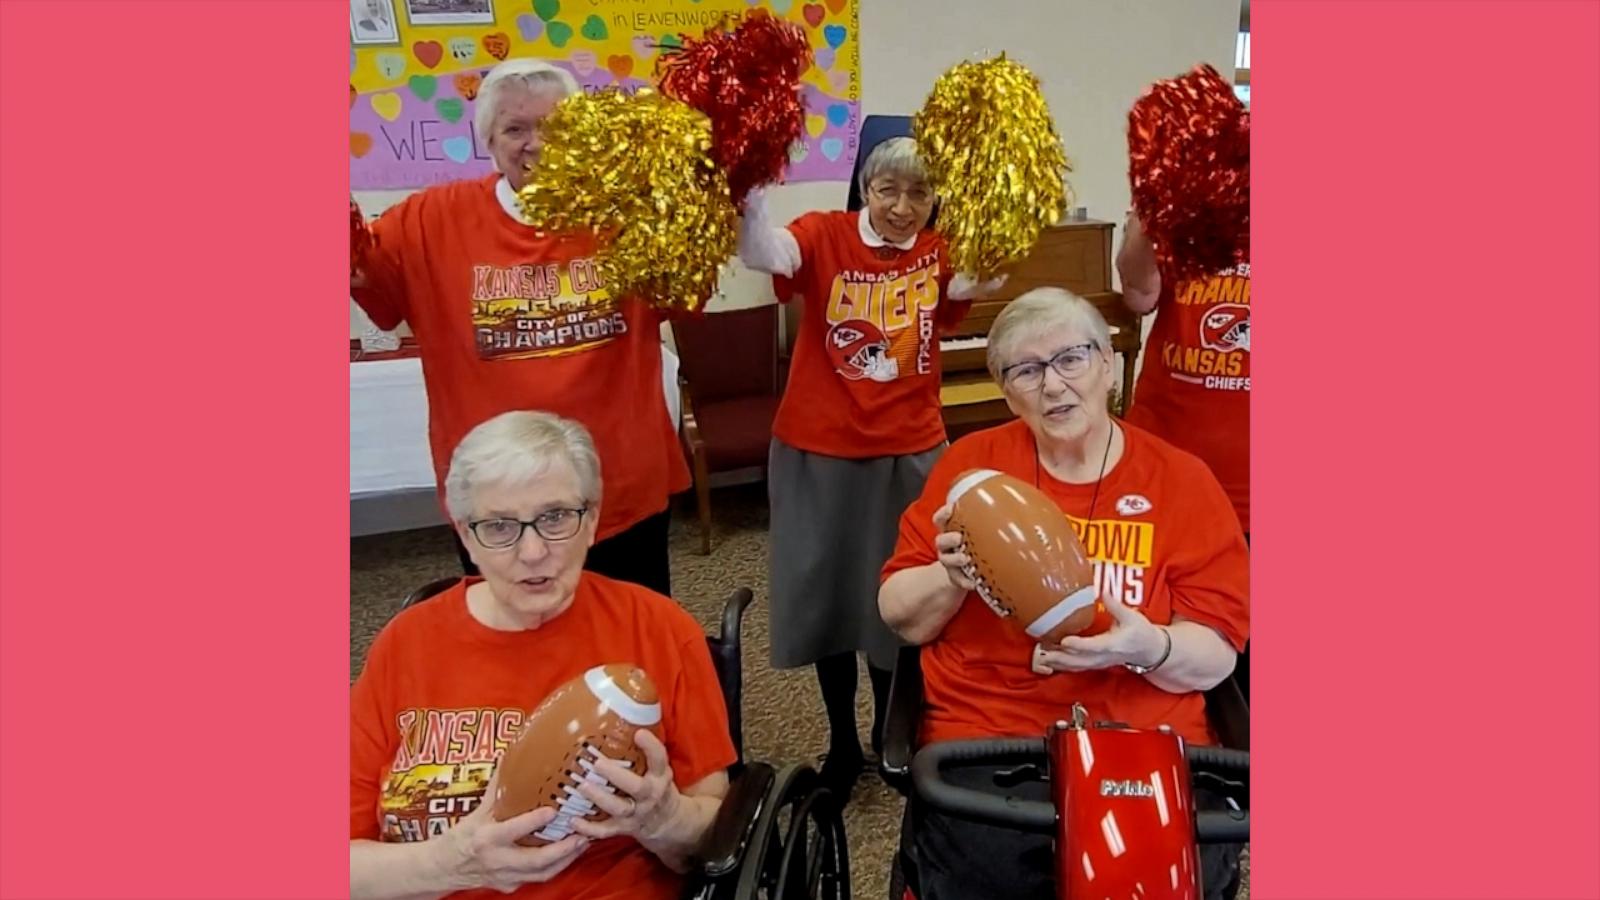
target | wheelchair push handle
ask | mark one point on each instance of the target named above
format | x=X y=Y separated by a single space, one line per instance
x=927 y=776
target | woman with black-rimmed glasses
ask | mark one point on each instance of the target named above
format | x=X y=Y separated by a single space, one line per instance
x=449 y=681
x=1172 y=591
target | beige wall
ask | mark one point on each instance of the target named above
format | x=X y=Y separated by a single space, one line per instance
x=1093 y=57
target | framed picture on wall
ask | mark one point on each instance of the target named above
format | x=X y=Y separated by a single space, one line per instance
x=373 y=22
x=450 y=12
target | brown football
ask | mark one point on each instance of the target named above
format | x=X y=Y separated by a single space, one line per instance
x=1029 y=565
x=593 y=715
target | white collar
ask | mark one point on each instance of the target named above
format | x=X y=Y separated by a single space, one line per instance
x=872 y=239
x=508 y=200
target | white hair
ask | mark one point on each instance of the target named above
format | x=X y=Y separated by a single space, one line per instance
x=1040 y=311
x=533 y=74
x=895 y=156
x=514 y=448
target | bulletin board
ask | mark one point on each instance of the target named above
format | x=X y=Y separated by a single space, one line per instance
x=415 y=68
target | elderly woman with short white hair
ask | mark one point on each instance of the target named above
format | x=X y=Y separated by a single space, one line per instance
x=507 y=317
x=860 y=423
x=448 y=682
x=1171 y=571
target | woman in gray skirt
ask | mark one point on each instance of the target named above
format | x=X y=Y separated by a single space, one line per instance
x=859 y=426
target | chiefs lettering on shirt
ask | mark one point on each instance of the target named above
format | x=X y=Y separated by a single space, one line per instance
x=1194 y=390
x=864 y=377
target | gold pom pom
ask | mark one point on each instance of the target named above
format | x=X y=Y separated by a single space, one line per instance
x=992 y=153
x=637 y=172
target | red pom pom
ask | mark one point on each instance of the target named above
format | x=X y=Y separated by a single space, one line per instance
x=360 y=236
x=1189 y=165
x=747 y=80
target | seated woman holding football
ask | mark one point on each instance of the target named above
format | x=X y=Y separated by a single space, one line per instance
x=1171 y=570
x=448 y=682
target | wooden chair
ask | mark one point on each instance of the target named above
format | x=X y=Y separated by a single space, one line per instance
x=728 y=368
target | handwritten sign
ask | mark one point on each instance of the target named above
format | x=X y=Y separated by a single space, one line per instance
x=411 y=106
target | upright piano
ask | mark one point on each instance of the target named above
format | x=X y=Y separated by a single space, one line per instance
x=1075 y=255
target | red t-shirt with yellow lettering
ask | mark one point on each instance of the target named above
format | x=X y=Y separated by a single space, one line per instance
x=864 y=374
x=442 y=695
x=1163 y=539
x=1194 y=390
x=507 y=318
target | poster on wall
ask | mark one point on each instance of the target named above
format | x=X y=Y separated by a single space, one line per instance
x=415 y=68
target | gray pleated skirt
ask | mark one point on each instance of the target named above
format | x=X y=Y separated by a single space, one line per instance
x=833 y=526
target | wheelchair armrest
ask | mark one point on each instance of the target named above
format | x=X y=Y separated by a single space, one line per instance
x=1229 y=715
x=724 y=844
x=901 y=720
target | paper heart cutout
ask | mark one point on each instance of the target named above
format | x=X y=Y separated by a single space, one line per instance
x=831 y=148
x=560 y=33
x=423 y=86
x=584 y=62
x=620 y=66
x=391 y=65
x=836 y=6
x=781 y=7
x=529 y=27
x=594 y=28
x=450 y=109
x=467 y=84
x=360 y=143
x=823 y=58
x=428 y=52
x=798 y=151
x=547 y=9
x=352 y=96
x=813 y=13
x=839 y=81
x=497 y=44
x=459 y=149
x=834 y=35
x=644 y=46
x=463 y=49
x=816 y=125
x=838 y=114
x=386 y=105
x=670 y=40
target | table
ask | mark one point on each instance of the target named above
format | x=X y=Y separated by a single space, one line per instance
x=391 y=467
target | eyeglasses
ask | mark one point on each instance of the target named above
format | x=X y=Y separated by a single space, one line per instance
x=552 y=525
x=1069 y=364
x=890 y=194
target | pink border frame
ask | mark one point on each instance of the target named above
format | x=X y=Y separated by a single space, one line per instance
x=174 y=717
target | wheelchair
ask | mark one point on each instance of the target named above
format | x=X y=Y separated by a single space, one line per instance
x=778 y=835
x=1055 y=758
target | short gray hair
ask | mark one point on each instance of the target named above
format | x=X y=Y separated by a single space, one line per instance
x=513 y=448
x=1039 y=311
x=530 y=73
x=895 y=156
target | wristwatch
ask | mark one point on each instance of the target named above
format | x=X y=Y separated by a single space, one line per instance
x=1145 y=670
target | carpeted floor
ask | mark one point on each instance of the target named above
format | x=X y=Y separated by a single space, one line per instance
x=783 y=712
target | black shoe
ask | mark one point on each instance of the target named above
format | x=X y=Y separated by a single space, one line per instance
x=840 y=770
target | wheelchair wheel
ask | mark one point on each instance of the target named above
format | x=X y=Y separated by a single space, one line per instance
x=804 y=855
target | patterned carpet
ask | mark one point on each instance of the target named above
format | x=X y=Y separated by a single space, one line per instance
x=783 y=711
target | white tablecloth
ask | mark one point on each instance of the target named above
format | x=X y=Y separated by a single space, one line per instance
x=389 y=423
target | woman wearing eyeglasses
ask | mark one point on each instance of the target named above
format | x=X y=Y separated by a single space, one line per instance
x=1170 y=564
x=859 y=426
x=447 y=683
